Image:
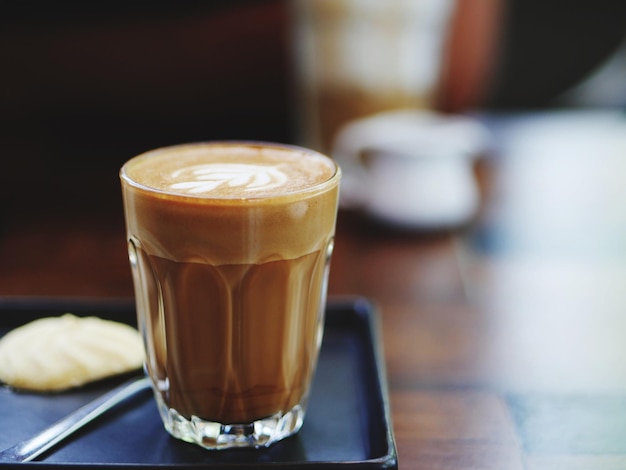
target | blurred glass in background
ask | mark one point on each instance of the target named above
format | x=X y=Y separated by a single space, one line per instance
x=356 y=58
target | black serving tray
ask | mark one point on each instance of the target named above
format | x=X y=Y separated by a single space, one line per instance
x=347 y=423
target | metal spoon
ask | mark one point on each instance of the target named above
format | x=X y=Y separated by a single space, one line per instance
x=31 y=448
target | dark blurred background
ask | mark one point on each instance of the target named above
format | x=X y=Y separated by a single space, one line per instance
x=86 y=85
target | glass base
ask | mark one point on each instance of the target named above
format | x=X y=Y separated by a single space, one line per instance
x=212 y=435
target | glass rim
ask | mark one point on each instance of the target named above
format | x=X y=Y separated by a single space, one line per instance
x=315 y=188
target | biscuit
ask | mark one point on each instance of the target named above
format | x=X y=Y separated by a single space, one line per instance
x=58 y=353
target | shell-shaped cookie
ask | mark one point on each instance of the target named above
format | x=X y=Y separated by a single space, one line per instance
x=58 y=353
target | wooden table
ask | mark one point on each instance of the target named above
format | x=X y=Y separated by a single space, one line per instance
x=503 y=341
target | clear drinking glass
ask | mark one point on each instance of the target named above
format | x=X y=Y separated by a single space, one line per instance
x=229 y=245
x=357 y=58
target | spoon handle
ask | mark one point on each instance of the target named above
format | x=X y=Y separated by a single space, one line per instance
x=31 y=448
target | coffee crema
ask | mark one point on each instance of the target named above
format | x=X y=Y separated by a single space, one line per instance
x=225 y=172
x=230 y=246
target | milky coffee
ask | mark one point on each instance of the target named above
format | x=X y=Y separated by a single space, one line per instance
x=229 y=245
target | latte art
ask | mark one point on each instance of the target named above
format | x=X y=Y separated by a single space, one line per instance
x=199 y=179
x=233 y=171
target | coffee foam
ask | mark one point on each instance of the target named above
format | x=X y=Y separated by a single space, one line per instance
x=229 y=170
x=210 y=177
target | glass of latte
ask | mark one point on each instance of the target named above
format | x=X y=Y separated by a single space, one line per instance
x=229 y=245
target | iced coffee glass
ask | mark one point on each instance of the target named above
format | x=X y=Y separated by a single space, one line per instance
x=229 y=245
